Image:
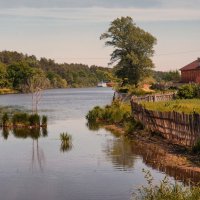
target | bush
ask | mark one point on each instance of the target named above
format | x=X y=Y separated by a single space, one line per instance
x=34 y=120
x=95 y=114
x=5 y=119
x=44 y=120
x=189 y=91
x=20 y=118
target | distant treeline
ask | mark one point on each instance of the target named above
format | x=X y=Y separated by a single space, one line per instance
x=16 y=69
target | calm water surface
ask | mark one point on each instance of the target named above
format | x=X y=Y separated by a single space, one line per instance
x=100 y=165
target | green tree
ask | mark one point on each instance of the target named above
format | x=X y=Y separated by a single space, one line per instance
x=18 y=74
x=133 y=49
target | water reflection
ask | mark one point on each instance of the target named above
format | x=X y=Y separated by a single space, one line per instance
x=37 y=155
x=24 y=133
x=93 y=126
x=122 y=152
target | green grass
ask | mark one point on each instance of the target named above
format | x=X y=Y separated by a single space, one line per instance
x=181 y=105
x=166 y=190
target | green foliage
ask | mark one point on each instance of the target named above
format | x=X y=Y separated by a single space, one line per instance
x=166 y=190
x=133 y=49
x=23 y=119
x=95 y=114
x=5 y=119
x=66 y=142
x=44 y=120
x=170 y=76
x=188 y=91
x=20 y=119
x=179 y=105
x=117 y=113
x=18 y=70
x=34 y=120
x=133 y=90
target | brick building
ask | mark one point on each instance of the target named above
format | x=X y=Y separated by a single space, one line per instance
x=191 y=72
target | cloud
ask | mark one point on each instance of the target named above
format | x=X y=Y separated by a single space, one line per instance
x=77 y=3
x=104 y=14
x=100 y=3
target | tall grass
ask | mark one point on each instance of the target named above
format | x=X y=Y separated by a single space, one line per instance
x=181 y=105
x=66 y=142
x=23 y=119
x=166 y=190
x=117 y=113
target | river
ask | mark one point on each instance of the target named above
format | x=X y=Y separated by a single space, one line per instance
x=99 y=165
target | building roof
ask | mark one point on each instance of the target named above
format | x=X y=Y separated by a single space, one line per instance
x=193 y=65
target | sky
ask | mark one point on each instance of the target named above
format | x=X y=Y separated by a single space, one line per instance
x=69 y=30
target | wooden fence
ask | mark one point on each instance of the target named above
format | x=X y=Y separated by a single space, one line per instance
x=179 y=128
x=154 y=97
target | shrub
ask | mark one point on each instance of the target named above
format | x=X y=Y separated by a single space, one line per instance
x=44 y=120
x=188 y=91
x=20 y=118
x=5 y=119
x=34 y=120
x=95 y=114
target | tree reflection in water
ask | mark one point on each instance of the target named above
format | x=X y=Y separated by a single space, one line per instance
x=38 y=158
x=120 y=152
x=123 y=152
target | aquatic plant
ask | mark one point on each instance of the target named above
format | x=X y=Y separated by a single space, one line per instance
x=5 y=119
x=34 y=120
x=66 y=142
x=165 y=190
x=44 y=120
x=20 y=119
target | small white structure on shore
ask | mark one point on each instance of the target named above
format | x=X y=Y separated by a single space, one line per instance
x=101 y=84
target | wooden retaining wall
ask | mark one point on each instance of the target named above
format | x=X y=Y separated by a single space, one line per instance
x=179 y=128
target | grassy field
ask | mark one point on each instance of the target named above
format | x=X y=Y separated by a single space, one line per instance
x=181 y=105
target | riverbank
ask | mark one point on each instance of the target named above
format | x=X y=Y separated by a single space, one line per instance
x=8 y=91
x=166 y=155
x=117 y=118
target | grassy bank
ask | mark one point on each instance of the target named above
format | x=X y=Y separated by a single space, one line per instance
x=180 y=105
x=7 y=91
x=166 y=191
x=118 y=113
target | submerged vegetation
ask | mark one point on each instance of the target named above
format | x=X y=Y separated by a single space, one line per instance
x=118 y=113
x=166 y=190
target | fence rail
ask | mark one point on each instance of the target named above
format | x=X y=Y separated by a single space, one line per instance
x=154 y=98
x=180 y=128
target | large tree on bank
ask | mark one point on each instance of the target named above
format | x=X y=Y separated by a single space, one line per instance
x=133 y=49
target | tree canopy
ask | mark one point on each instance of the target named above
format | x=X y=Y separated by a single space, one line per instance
x=133 y=49
x=17 y=69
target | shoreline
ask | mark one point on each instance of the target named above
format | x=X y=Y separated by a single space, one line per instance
x=166 y=157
